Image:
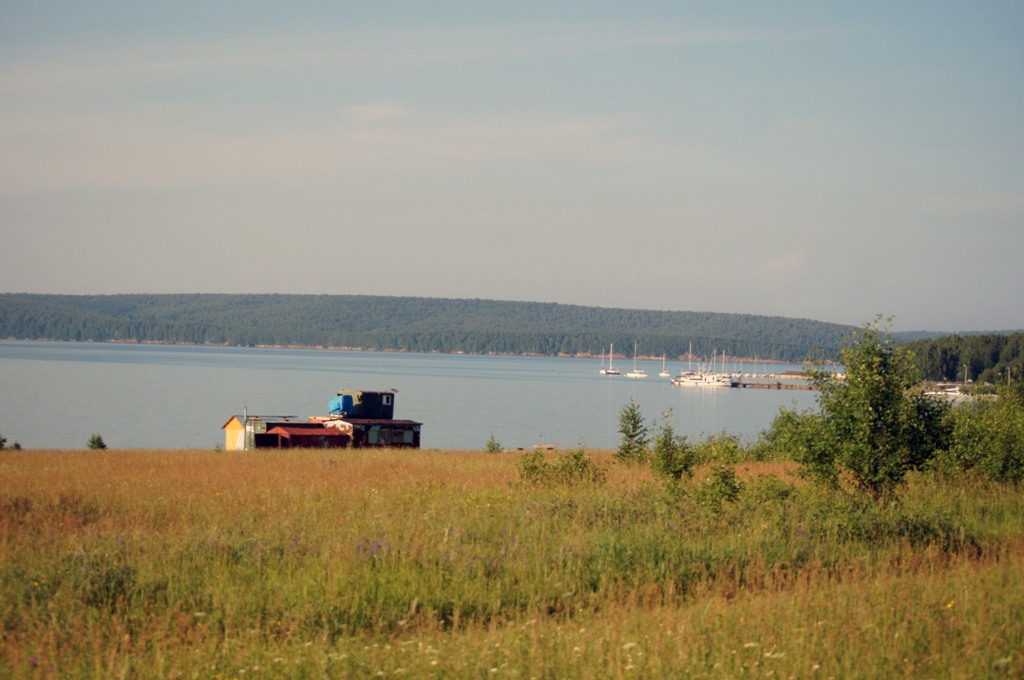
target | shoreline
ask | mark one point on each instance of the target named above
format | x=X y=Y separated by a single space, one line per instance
x=579 y=355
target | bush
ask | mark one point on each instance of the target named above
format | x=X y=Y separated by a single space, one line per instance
x=988 y=438
x=870 y=428
x=570 y=469
x=633 y=448
x=793 y=436
x=673 y=458
x=533 y=467
x=722 y=487
x=492 y=445
x=720 y=448
x=576 y=467
x=769 y=488
x=96 y=442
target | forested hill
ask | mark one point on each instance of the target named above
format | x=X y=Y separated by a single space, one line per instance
x=413 y=324
x=985 y=357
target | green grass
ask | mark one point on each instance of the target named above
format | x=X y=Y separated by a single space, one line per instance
x=313 y=564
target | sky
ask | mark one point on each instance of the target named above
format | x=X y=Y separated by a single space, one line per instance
x=831 y=161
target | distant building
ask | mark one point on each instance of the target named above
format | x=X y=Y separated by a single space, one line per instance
x=356 y=418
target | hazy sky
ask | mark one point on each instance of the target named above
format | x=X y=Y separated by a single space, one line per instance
x=799 y=159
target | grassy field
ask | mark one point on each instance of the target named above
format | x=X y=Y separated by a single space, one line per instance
x=441 y=564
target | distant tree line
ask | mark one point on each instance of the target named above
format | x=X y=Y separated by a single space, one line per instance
x=982 y=358
x=412 y=324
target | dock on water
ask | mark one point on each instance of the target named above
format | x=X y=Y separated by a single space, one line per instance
x=774 y=386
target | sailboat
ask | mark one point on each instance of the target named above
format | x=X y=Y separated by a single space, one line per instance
x=664 y=373
x=611 y=370
x=635 y=373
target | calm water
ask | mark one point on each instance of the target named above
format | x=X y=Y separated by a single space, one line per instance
x=55 y=394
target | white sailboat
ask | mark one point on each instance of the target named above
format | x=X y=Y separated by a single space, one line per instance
x=611 y=370
x=635 y=373
x=664 y=373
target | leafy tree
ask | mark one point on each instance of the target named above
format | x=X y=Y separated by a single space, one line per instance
x=492 y=445
x=633 y=448
x=988 y=357
x=673 y=457
x=988 y=437
x=870 y=426
x=3 y=442
x=96 y=442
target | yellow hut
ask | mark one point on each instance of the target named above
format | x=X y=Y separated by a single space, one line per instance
x=234 y=434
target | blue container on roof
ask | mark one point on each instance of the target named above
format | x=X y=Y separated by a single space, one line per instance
x=340 y=405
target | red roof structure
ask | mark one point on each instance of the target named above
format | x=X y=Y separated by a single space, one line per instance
x=309 y=437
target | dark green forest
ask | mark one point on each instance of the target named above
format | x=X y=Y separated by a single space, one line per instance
x=982 y=358
x=411 y=324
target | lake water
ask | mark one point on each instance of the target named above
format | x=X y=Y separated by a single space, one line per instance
x=56 y=394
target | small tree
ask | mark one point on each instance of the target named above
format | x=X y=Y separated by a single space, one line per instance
x=96 y=442
x=634 y=435
x=492 y=445
x=3 y=442
x=870 y=427
x=673 y=457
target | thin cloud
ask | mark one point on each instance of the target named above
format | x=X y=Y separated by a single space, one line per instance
x=90 y=67
x=784 y=265
x=373 y=112
x=123 y=151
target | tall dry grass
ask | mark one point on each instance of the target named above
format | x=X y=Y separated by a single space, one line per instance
x=438 y=563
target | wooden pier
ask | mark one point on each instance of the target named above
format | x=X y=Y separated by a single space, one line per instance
x=774 y=386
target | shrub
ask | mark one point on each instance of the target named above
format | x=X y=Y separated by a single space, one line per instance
x=492 y=445
x=533 y=467
x=870 y=426
x=794 y=436
x=570 y=469
x=673 y=458
x=988 y=438
x=720 y=448
x=96 y=442
x=769 y=488
x=633 y=448
x=722 y=487
x=576 y=467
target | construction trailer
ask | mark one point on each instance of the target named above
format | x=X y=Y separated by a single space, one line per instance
x=356 y=418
